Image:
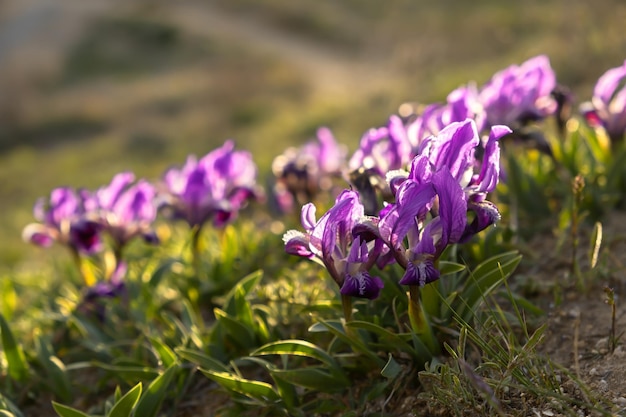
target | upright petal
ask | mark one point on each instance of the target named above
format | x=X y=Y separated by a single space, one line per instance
x=452 y=207
x=490 y=169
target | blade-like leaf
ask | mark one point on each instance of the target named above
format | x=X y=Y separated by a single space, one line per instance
x=65 y=411
x=257 y=390
x=124 y=406
x=131 y=373
x=58 y=380
x=18 y=368
x=336 y=328
x=243 y=287
x=201 y=359
x=484 y=279
x=297 y=348
x=314 y=378
x=243 y=335
x=166 y=355
x=392 y=369
x=150 y=402
x=447 y=267
x=391 y=340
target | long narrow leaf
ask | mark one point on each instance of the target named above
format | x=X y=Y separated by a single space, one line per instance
x=244 y=287
x=124 y=406
x=150 y=402
x=18 y=368
x=58 y=379
x=314 y=378
x=200 y=359
x=257 y=390
x=65 y=411
x=391 y=340
x=297 y=348
x=243 y=335
x=484 y=279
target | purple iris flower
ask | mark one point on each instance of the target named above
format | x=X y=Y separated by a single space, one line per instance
x=383 y=149
x=67 y=217
x=461 y=104
x=127 y=209
x=301 y=173
x=608 y=106
x=338 y=242
x=519 y=94
x=432 y=200
x=92 y=301
x=213 y=188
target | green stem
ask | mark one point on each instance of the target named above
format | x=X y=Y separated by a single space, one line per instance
x=79 y=264
x=419 y=321
x=195 y=250
x=346 y=303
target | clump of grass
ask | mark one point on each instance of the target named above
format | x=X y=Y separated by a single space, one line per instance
x=496 y=368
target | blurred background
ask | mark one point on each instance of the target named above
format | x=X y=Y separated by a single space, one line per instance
x=91 y=88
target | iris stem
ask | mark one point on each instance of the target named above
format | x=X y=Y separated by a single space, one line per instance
x=195 y=250
x=419 y=321
x=346 y=303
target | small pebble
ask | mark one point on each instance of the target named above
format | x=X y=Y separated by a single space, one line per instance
x=620 y=401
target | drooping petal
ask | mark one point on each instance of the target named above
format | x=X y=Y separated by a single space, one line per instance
x=296 y=243
x=420 y=273
x=38 y=234
x=85 y=236
x=486 y=214
x=362 y=285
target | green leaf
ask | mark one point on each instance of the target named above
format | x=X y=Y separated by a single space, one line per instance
x=201 y=359
x=485 y=277
x=166 y=355
x=9 y=408
x=243 y=287
x=447 y=267
x=129 y=373
x=392 y=369
x=65 y=411
x=391 y=340
x=297 y=348
x=9 y=297
x=18 y=368
x=336 y=328
x=243 y=335
x=257 y=390
x=57 y=377
x=314 y=378
x=596 y=242
x=150 y=402
x=124 y=406
x=160 y=271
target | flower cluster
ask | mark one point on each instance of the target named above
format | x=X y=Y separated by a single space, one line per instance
x=512 y=97
x=211 y=189
x=78 y=218
x=429 y=212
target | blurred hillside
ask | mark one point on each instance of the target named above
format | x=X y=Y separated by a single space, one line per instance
x=89 y=88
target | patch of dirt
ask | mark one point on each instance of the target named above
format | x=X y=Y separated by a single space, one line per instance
x=579 y=318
